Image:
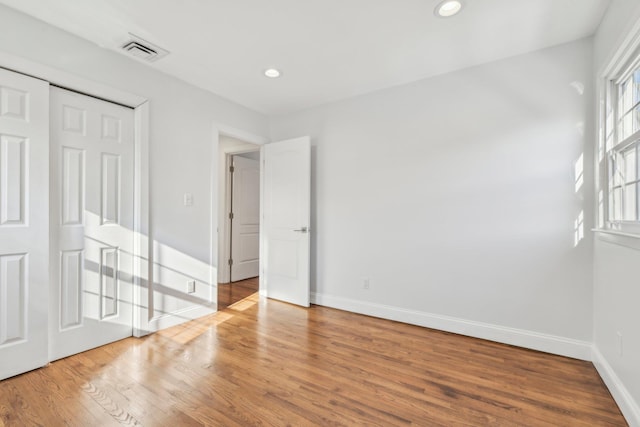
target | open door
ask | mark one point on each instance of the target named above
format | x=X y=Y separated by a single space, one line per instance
x=245 y=222
x=287 y=199
x=24 y=222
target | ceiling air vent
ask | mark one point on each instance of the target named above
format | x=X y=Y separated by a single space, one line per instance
x=143 y=50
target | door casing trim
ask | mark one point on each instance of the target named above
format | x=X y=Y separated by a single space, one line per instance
x=220 y=226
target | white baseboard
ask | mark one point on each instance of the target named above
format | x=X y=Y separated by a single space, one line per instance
x=522 y=338
x=177 y=317
x=621 y=395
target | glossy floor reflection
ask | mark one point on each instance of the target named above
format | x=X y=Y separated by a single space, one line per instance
x=229 y=293
x=263 y=362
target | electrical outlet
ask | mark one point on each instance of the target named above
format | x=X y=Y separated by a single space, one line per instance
x=187 y=199
x=191 y=286
x=365 y=283
x=619 y=336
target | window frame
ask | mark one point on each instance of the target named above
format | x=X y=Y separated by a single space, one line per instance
x=611 y=149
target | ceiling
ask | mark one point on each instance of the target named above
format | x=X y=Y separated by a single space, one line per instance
x=327 y=49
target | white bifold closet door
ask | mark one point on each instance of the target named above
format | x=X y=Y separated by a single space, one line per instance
x=24 y=222
x=92 y=148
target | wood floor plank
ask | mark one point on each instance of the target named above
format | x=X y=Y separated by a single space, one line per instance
x=264 y=362
x=229 y=293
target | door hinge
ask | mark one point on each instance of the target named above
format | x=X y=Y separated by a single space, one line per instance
x=230 y=215
x=232 y=169
x=230 y=262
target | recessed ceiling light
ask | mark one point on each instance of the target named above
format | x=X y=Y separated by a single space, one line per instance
x=448 y=8
x=272 y=73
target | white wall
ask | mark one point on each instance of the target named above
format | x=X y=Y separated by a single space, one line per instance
x=181 y=151
x=616 y=311
x=617 y=261
x=456 y=196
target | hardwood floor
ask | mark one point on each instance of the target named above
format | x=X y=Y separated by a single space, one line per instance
x=229 y=293
x=263 y=362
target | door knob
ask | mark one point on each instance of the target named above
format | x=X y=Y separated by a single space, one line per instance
x=302 y=230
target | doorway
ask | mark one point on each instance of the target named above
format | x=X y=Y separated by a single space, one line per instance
x=239 y=220
x=244 y=216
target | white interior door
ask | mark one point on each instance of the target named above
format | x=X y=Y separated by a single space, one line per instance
x=24 y=222
x=92 y=146
x=287 y=198
x=245 y=223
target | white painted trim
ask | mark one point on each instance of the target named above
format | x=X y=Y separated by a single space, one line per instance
x=68 y=80
x=224 y=230
x=618 y=63
x=519 y=337
x=220 y=234
x=621 y=395
x=615 y=233
x=620 y=238
x=599 y=180
x=142 y=267
x=213 y=221
x=262 y=279
x=214 y=245
x=240 y=134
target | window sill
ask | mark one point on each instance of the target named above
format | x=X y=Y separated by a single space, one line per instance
x=629 y=240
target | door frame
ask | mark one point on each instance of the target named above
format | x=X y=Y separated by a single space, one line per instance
x=226 y=230
x=142 y=267
x=221 y=199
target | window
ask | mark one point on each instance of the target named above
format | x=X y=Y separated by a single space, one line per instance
x=619 y=160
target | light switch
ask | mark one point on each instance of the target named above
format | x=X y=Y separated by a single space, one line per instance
x=188 y=199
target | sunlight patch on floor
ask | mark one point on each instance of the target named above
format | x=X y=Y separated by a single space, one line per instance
x=189 y=331
x=245 y=303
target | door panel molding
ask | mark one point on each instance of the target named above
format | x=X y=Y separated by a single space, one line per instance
x=71 y=289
